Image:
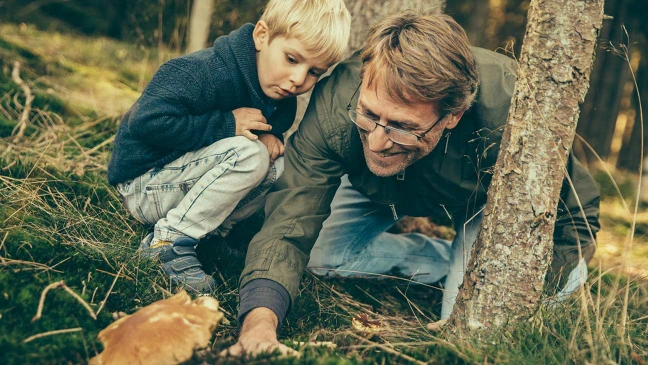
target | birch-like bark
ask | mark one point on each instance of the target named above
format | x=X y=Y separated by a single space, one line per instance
x=505 y=275
x=199 y=23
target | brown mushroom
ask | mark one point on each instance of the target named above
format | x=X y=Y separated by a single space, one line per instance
x=165 y=332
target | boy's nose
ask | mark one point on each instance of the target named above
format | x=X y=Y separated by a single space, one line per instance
x=298 y=78
x=378 y=141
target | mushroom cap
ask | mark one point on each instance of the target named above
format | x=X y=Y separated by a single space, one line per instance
x=164 y=332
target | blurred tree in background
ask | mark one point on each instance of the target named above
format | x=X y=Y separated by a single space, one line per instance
x=609 y=119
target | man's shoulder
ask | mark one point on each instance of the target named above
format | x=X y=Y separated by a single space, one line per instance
x=496 y=85
x=333 y=93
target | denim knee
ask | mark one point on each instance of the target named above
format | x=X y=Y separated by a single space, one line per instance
x=253 y=158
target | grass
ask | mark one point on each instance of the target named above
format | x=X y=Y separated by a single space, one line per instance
x=61 y=221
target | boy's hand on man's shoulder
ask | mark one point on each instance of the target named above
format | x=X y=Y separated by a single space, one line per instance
x=274 y=146
x=250 y=119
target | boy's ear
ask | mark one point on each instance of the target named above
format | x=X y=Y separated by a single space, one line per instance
x=454 y=120
x=260 y=34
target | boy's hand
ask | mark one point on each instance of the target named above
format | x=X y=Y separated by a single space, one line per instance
x=274 y=146
x=250 y=119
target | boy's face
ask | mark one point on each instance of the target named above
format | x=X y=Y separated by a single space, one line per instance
x=284 y=65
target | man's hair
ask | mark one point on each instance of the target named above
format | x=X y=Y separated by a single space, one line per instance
x=422 y=58
x=323 y=26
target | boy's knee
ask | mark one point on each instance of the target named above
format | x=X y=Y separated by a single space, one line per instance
x=253 y=157
x=279 y=166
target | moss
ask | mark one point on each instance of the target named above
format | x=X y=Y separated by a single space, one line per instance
x=6 y=126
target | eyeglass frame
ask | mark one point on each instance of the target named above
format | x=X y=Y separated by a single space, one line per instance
x=418 y=136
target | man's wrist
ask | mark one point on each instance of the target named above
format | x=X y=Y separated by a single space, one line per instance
x=260 y=321
x=264 y=293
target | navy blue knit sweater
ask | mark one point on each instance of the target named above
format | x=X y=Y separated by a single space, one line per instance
x=188 y=105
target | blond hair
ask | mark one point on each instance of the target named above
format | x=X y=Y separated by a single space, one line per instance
x=323 y=26
x=422 y=58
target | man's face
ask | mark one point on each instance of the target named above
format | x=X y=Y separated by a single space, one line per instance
x=384 y=157
x=284 y=65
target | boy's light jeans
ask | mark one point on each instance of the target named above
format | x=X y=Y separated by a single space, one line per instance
x=353 y=243
x=204 y=191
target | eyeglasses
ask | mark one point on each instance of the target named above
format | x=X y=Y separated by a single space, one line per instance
x=396 y=135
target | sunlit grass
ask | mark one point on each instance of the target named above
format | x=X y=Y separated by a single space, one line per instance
x=104 y=75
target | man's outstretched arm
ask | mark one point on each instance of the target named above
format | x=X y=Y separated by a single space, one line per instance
x=295 y=210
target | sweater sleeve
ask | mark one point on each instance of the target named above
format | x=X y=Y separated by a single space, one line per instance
x=177 y=110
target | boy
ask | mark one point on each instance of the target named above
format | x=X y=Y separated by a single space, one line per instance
x=203 y=144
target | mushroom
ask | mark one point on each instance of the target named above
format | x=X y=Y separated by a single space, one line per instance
x=164 y=332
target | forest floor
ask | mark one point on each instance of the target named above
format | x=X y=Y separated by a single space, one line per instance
x=61 y=221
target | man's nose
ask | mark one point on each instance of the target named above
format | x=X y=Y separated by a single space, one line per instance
x=378 y=141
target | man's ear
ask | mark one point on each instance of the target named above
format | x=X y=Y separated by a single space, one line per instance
x=454 y=120
x=260 y=34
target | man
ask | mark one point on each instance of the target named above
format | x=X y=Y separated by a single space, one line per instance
x=393 y=132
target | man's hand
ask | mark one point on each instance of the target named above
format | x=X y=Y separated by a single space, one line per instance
x=274 y=146
x=249 y=119
x=258 y=335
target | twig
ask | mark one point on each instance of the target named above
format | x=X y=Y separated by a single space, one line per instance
x=387 y=349
x=51 y=333
x=10 y=165
x=2 y=246
x=60 y=284
x=7 y=262
x=110 y=290
x=29 y=97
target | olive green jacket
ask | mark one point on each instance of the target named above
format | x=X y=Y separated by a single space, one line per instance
x=452 y=179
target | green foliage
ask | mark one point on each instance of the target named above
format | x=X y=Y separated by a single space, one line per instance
x=148 y=23
x=626 y=185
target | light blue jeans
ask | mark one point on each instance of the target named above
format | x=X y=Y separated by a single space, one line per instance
x=204 y=191
x=353 y=243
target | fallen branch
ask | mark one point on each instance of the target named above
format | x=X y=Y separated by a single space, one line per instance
x=60 y=284
x=51 y=333
x=29 y=98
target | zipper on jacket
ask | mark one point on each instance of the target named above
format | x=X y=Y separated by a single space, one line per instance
x=444 y=208
x=401 y=176
x=393 y=208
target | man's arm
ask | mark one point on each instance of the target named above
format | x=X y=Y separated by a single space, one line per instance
x=295 y=210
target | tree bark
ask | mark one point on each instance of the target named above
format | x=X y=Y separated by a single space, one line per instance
x=199 y=24
x=367 y=12
x=506 y=271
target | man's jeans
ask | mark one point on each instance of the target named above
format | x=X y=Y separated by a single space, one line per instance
x=204 y=191
x=353 y=243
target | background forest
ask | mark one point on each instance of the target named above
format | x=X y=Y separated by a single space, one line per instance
x=86 y=61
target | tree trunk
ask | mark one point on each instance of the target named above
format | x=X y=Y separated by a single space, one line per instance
x=366 y=12
x=506 y=271
x=199 y=24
